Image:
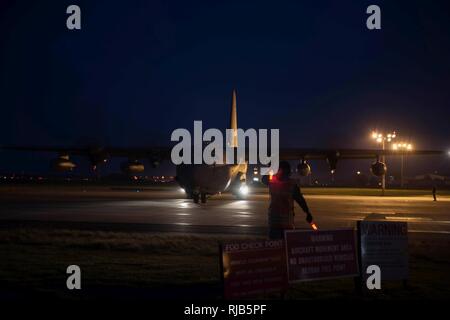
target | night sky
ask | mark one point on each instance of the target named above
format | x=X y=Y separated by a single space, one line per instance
x=139 y=69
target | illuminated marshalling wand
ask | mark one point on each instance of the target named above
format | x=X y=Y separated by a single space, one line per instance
x=383 y=139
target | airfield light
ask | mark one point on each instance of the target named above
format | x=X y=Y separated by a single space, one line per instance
x=402 y=146
x=381 y=137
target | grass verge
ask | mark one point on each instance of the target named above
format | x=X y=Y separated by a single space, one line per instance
x=168 y=266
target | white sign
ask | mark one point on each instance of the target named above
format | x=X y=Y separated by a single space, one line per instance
x=385 y=244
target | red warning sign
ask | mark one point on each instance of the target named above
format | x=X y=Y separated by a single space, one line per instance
x=253 y=268
x=322 y=254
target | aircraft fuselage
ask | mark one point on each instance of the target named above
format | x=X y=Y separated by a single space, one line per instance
x=205 y=179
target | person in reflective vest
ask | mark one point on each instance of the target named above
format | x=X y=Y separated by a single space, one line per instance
x=283 y=191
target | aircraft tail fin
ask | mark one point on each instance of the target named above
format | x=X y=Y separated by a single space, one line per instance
x=233 y=123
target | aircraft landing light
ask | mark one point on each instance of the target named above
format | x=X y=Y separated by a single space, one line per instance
x=244 y=190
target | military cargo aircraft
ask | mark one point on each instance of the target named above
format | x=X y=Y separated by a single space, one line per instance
x=201 y=180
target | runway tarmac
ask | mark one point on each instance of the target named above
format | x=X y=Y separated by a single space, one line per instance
x=166 y=210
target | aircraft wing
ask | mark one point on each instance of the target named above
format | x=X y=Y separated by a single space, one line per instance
x=158 y=153
x=313 y=154
x=163 y=153
x=333 y=155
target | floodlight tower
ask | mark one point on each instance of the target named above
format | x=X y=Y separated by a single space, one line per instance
x=382 y=139
x=402 y=147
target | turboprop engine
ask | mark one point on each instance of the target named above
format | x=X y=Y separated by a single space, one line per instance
x=378 y=168
x=132 y=167
x=63 y=163
x=303 y=169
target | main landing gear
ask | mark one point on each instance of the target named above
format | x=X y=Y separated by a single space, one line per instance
x=199 y=197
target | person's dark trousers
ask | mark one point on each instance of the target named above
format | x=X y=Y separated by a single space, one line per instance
x=276 y=233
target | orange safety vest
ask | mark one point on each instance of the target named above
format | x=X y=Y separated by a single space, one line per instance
x=281 y=209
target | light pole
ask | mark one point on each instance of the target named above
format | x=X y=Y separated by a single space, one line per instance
x=382 y=139
x=403 y=147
